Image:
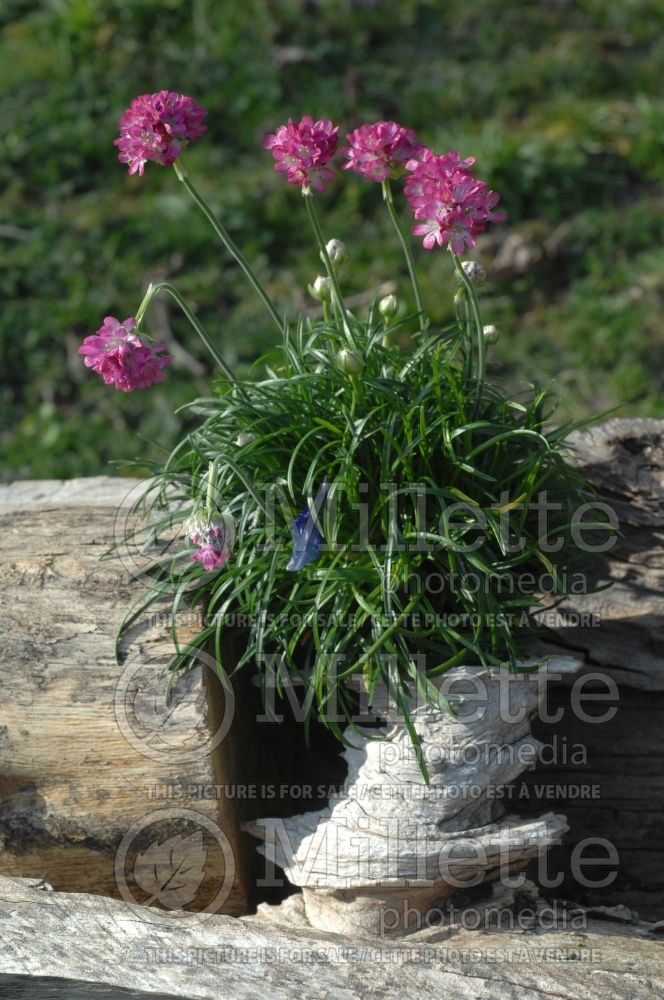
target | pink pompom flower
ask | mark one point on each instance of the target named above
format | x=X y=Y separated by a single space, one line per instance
x=381 y=150
x=122 y=359
x=451 y=203
x=157 y=127
x=302 y=150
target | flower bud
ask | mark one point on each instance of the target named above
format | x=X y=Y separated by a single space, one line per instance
x=321 y=289
x=474 y=271
x=350 y=362
x=243 y=439
x=388 y=306
x=336 y=251
x=196 y=526
x=491 y=334
x=205 y=527
x=213 y=534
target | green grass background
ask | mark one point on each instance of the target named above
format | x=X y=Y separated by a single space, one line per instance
x=560 y=101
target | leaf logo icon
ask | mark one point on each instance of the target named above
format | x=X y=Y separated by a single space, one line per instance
x=171 y=873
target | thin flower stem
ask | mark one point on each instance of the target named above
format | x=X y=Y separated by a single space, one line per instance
x=477 y=317
x=164 y=286
x=357 y=394
x=147 y=299
x=211 y=485
x=461 y=303
x=233 y=250
x=331 y=273
x=407 y=252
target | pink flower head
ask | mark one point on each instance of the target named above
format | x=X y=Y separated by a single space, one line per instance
x=122 y=359
x=381 y=150
x=452 y=203
x=157 y=127
x=301 y=151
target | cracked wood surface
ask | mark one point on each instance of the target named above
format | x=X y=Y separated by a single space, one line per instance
x=624 y=460
x=78 y=757
x=65 y=940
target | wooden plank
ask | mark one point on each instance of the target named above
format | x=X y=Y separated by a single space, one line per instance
x=621 y=764
x=86 y=939
x=88 y=750
x=624 y=460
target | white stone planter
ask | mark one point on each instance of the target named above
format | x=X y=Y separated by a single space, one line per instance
x=389 y=846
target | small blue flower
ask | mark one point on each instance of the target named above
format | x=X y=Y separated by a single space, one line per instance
x=305 y=533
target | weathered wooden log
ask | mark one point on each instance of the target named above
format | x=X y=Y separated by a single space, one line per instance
x=622 y=627
x=619 y=632
x=608 y=780
x=61 y=943
x=92 y=761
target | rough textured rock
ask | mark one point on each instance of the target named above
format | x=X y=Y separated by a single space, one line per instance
x=391 y=843
x=62 y=941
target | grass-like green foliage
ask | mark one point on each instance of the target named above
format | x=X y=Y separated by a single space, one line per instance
x=417 y=424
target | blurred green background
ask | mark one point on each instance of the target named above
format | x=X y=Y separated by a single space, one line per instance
x=561 y=103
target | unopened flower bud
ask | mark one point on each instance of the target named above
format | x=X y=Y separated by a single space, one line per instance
x=474 y=271
x=388 y=306
x=243 y=439
x=213 y=534
x=321 y=289
x=350 y=362
x=491 y=334
x=205 y=526
x=336 y=251
x=196 y=525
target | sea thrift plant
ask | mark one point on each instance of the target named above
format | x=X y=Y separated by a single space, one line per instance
x=367 y=503
x=122 y=359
